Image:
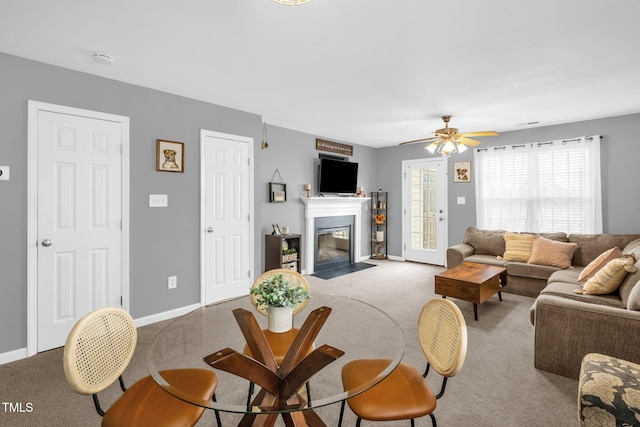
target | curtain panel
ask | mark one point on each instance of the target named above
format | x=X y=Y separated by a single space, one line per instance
x=540 y=187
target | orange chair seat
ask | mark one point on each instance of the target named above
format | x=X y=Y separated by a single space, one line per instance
x=404 y=394
x=145 y=403
x=280 y=342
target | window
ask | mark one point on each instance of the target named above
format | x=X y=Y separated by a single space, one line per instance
x=540 y=187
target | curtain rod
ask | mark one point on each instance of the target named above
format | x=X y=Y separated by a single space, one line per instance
x=539 y=144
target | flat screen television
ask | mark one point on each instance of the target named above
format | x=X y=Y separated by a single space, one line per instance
x=337 y=176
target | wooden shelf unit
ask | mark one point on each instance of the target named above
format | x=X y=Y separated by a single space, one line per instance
x=273 y=257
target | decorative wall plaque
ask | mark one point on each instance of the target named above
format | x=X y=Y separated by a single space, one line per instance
x=334 y=147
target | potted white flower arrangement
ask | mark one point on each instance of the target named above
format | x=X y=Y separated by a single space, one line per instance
x=277 y=296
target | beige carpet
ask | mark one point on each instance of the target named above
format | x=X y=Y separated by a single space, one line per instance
x=497 y=386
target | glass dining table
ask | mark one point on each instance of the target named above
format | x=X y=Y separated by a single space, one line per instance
x=332 y=330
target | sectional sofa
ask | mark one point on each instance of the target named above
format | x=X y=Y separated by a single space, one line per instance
x=568 y=325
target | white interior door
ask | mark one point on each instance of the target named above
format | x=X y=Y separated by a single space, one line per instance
x=227 y=195
x=79 y=221
x=424 y=210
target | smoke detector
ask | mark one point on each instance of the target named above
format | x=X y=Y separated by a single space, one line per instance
x=103 y=58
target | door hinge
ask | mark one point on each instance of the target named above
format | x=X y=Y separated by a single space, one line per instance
x=121 y=301
x=249 y=217
x=248 y=273
x=248 y=161
x=121 y=148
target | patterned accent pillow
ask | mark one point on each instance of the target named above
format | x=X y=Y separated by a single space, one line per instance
x=518 y=246
x=598 y=263
x=551 y=252
x=609 y=278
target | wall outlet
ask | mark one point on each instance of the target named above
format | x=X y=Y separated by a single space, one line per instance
x=158 y=200
x=172 y=282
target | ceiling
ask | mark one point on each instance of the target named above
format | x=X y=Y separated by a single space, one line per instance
x=370 y=72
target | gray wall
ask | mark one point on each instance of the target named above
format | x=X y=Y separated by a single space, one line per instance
x=153 y=115
x=620 y=150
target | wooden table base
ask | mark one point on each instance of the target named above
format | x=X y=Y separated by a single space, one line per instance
x=280 y=384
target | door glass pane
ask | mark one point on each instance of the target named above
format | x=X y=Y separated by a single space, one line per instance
x=423 y=209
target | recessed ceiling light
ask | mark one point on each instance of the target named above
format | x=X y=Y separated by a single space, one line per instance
x=103 y=58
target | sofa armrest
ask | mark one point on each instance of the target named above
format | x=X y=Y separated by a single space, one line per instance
x=567 y=330
x=457 y=253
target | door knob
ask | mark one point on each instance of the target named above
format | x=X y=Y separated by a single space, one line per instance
x=46 y=242
x=210 y=230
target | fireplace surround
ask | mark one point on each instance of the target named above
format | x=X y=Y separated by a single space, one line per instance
x=326 y=207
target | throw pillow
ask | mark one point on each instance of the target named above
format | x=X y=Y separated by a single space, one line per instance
x=517 y=246
x=551 y=252
x=633 y=303
x=594 y=266
x=609 y=278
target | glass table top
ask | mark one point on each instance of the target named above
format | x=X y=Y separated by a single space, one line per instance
x=358 y=329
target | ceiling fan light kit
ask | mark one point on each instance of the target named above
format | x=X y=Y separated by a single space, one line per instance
x=448 y=140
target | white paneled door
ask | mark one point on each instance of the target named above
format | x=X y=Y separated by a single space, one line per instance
x=79 y=221
x=424 y=210
x=227 y=194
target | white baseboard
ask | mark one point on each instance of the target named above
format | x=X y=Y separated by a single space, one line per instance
x=13 y=355
x=395 y=258
x=159 y=317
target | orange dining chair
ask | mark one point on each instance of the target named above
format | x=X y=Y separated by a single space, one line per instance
x=279 y=341
x=99 y=349
x=405 y=394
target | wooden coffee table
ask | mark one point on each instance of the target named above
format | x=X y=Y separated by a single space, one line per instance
x=471 y=282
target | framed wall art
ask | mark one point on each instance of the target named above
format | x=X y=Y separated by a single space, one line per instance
x=462 y=172
x=169 y=156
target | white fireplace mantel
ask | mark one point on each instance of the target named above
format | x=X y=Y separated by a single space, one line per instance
x=317 y=207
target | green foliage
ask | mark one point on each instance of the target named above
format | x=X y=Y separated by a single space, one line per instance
x=289 y=251
x=277 y=291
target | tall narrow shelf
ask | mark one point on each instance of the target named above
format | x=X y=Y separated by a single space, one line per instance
x=379 y=224
x=273 y=256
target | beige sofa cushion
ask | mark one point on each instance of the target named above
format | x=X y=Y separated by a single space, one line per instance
x=517 y=246
x=551 y=252
x=592 y=245
x=633 y=302
x=609 y=278
x=485 y=242
x=598 y=263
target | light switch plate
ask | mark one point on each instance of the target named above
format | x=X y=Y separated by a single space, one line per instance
x=4 y=173
x=462 y=201
x=158 y=200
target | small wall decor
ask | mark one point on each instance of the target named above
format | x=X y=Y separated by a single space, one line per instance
x=462 y=172
x=169 y=156
x=334 y=147
x=277 y=189
x=276 y=230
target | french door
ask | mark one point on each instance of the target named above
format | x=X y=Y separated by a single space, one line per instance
x=424 y=210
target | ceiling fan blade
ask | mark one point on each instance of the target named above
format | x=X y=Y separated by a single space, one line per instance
x=418 y=140
x=468 y=141
x=486 y=133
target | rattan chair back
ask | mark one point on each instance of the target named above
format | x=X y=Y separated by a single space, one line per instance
x=98 y=349
x=292 y=276
x=442 y=332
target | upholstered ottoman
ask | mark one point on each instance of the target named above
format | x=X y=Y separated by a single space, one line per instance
x=608 y=392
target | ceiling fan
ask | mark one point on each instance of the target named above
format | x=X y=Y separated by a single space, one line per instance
x=448 y=140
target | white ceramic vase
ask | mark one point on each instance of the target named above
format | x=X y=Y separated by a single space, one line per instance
x=280 y=319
